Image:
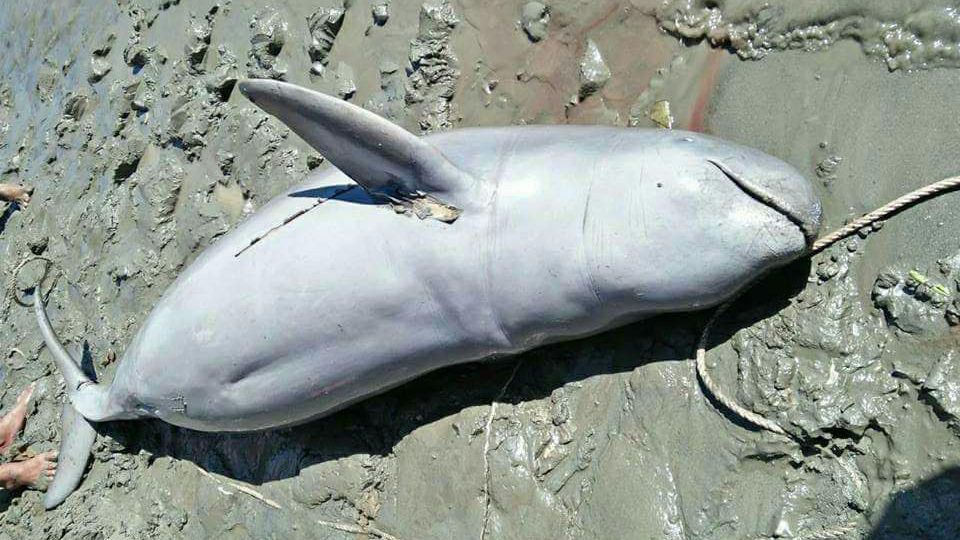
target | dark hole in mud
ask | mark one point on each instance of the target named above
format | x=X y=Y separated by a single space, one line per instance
x=177 y=143
x=225 y=90
x=274 y=48
x=833 y=441
x=125 y=169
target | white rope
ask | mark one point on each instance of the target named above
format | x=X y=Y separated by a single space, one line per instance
x=731 y=405
x=12 y=287
x=830 y=534
x=824 y=242
x=937 y=188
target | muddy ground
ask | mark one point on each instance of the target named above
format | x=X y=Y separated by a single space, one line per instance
x=122 y=116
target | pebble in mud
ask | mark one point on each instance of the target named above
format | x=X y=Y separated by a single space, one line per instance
x=346 y=87
x=913 y=303
x=269 y=30
x=942 y=386
x=952 y=313
x=98 y=70
x=534 y=19
x=381 y=13
x=827 y=168
x=594 y=72
x=199 y=40
x=100 y=66
x=432 y=83
x=830 y=268
x=324 y=25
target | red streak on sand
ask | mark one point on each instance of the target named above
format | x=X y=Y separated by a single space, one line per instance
x=706 y=86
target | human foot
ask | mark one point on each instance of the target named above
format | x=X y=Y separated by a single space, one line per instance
x=25 y=473
x=12 y=422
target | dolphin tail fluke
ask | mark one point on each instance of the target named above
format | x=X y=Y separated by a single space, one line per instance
x=76 y=440
x=87 y=402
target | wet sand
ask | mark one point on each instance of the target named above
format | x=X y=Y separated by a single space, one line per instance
x=124 y=121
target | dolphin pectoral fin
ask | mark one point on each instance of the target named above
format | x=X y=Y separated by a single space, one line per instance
x=376 y=153
x=76 y=440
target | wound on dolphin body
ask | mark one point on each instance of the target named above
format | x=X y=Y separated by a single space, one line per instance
x=318 y=202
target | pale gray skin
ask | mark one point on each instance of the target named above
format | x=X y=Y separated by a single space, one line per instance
x=565 y=231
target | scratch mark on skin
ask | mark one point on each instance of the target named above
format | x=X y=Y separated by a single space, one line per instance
x=587 y=260
x=491 y=246
x=297 y=214
x=643 y=206
x=599 y=171
x=753 y=241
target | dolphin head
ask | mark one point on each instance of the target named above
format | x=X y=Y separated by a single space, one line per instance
x=756 y=211
x=701 y=218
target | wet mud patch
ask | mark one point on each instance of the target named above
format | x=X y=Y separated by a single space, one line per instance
x=124 y=120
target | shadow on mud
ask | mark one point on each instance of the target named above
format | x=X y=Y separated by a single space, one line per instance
x=928 y=511
x=374 y=426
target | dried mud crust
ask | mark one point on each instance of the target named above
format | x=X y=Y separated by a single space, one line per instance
x=123 y=119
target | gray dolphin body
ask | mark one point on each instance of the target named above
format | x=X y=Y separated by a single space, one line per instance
x=419 y=253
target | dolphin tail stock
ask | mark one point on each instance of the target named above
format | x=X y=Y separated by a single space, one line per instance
x=87 y=401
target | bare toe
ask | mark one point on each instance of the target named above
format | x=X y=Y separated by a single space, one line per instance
x=25 y=396
x=12 y=422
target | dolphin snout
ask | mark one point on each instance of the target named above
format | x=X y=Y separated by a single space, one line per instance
x=798 y=206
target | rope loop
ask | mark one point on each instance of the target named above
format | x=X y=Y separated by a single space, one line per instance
x=39 y=292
